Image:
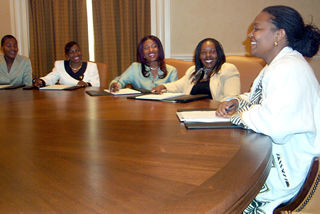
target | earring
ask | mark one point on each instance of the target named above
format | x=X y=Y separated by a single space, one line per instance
x=276 y=43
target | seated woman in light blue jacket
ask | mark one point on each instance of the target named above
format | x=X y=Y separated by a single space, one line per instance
x=150 y=71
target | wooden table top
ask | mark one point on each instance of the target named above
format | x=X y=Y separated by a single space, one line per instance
x=68 y=152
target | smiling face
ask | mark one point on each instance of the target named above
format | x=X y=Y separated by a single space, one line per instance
x=10 y=48
x=263 y=37
x=150 y=51
x=208 y=54
x=75 y=54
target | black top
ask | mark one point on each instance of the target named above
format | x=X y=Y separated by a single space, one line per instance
x=79 y=74
x=202 y=88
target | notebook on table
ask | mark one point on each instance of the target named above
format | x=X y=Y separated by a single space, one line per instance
x=187 y=98
x=30 y=87
x=4 y=86
x=124 y=91
x=159 y=97
x=216 y=125
x=201 y=116
x=203 y=119
x=171 y=97
x=97 y=93
x=8 y=87
x=142 y=90
x=61 y=87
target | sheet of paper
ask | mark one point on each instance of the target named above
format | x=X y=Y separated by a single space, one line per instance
x=124 y=91
x=4 y=86
x=56 y=87
x=200 y=116
x=160 y=96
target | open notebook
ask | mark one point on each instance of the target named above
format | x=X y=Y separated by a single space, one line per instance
x=170 y=97
x=124 y=91
x=163 y=96
x=203 y=119
x=200 y=116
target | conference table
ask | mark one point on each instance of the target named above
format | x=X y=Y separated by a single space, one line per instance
x=68 y=152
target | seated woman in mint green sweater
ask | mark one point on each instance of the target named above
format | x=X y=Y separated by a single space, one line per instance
x=150 y=71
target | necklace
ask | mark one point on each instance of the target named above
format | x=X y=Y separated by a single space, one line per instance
x=75 y=69
x=154 y=68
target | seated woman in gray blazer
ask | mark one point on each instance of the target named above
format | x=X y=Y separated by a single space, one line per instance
x=211 y=74
x=14 y=68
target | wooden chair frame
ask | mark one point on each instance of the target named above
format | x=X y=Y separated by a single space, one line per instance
x=300 y=201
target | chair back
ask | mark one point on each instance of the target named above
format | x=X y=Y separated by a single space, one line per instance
x=308 y=199
x=103 y=74
x=181 y=65
x=249 y=68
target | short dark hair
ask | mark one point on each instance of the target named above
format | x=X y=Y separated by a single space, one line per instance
x=301 y=37
x=144 y=62
x=7 y=37
x=220 y=60
x=69 y=46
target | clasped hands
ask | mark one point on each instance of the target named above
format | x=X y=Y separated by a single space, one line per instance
x=82 y=84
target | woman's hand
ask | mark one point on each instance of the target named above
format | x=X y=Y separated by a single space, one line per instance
x=227 y=108
x=37 y=83
x=82 y=84
x=114 y=87
x=158 y=89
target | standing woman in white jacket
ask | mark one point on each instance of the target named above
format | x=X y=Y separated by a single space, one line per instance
x=211 y=74
x=72 y=71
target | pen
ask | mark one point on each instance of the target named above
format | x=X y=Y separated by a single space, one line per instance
x=227 y=109
x=35 y=77
x=119 y=78
x=114 y=86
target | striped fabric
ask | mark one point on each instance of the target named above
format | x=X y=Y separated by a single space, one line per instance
x=245 y=106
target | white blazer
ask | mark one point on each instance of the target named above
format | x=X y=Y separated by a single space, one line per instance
x=223 y=84
x=91 y=75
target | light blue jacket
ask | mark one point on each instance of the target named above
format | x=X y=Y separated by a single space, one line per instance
x=133 y=76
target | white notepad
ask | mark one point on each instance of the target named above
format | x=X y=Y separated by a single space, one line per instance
x=201 y=116
x=160 y=96
x=124 y=91
x=56 y=87
x=5 y=86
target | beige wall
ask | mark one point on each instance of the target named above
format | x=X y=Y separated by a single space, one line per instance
x=228 y=21
x=5 y=24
